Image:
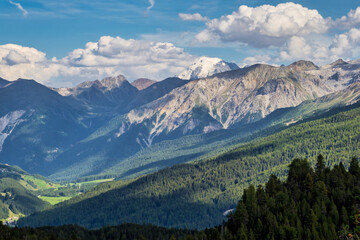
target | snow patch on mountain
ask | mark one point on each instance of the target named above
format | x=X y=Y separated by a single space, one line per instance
x=205 y=67
x=8 y=124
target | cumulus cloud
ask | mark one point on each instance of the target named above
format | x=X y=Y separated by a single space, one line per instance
x=346 y=44
x=265 y=25
x=319 y=50
x=350 y=21
x=192 y=17
x=18 y=5
x=108 y=57
x=295 y=48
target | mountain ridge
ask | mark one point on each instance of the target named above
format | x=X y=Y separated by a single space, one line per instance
x=105 y=126
x=142 y=83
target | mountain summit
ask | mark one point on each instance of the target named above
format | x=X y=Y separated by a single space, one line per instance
x=142 y=83
x=110 y=91
x=205 y=67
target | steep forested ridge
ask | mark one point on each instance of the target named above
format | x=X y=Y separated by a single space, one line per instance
x=196 y=195
x=310 y=204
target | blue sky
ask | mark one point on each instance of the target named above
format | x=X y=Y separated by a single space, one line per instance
x=39 y=30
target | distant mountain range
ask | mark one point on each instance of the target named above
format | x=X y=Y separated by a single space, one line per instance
x=100 y=125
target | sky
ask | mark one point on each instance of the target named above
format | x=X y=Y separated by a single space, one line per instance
x=64 y=42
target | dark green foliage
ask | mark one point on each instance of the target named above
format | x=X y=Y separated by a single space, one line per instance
x=18 y=199
x=300 y=208
x=122 y=232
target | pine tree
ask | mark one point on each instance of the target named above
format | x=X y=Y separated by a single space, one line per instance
x=354 y=168
x=320 y=168
x=344 y=219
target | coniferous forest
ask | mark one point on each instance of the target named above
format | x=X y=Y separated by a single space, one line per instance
x=311 y=204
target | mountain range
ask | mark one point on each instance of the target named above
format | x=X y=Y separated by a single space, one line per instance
x=101 y=126
x=196 y=195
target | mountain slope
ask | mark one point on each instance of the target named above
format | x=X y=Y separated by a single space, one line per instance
x=111 y=91
x=142 y=83
x=248 y=98
x=204 y=67
x=195 y=195
x=3 y=82
x=227 y=99
x=46 y=124
x=37 y=124
x=155 y=91
x=201 y=146
x=16 y=198
x=101 y=125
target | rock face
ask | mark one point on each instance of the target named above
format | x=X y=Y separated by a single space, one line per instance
x=8 y=124
x=236 y=97
x=37 y=124
x=205 y=67
x=110 y=91
x=142 y=83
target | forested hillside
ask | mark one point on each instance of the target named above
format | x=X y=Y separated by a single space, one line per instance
x=196 y=195
x=16 y=198
x=312 y=203
x=70 y=232
x=22 y=193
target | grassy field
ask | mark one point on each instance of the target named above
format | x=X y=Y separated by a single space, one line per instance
x=54 y=200
x=97 y=181
x=75 y=189
x=33 y=183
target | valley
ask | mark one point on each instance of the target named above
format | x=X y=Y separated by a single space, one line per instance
x=175 y=153
x=198 y=193
x=179 y=120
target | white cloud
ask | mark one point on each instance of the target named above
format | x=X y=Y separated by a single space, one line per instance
x=257 y=59
x=18 y=5
x=265 y=25
x=192 y=17
x=295 y=48
x=108 y=57
x=346 y=44
x=318 y=49
x=350 y=21
x=152 y=4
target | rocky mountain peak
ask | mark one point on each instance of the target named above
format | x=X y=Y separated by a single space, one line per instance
x=205 y=67
x=303 y=65
x=89 y=84
x=113 y=82
x=339 y=62
x=142 y=83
